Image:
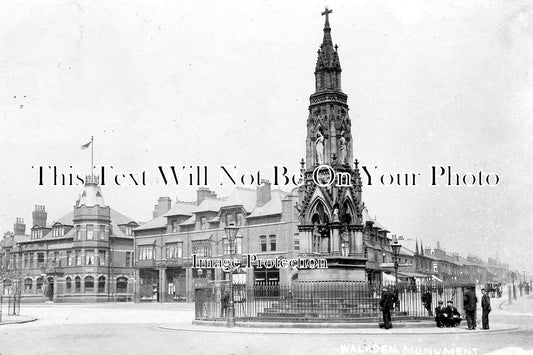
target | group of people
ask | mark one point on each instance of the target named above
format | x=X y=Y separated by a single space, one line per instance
x=447 y=316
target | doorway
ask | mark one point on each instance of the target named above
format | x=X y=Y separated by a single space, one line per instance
x=50 y=288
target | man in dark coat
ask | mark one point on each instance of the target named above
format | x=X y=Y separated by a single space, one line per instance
x=452 y=317
x=427 y=300
x=224 y=303
x=386 y=303
x=470 y=303
x=485 y=307
x=439 y=318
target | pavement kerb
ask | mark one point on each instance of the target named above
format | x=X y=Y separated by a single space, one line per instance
x=24 y=319
x=327 y=329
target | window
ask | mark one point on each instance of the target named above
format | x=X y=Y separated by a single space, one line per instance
x=238 y=245
x=127 y=230
x=230 y=219
x=263 y=241
x=40 y=259
x=296 y=244
x=69 y=285
x=28 y=284
x=203 y=223
x=101 y=284
x=146 y=252
x=58 y=231
x=122 y=285
x=174 y=226
x=272 y=243
x=69 y=258
x=89 y=257
x=201 y=247
x=101 y=257
x=78 y=257
x=90 y=232
x=39 y=284
x=128 y=258
x=101 y=231
x=174 y=250
x=78 y=233
x=36 y=233
x=77 y=284
x=89 y=284
x=240 y=219
x=226 y=246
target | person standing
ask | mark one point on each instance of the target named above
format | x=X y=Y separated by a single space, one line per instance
x=427 y=300
x=470 y=302
x=485 y=307
x=386 y=303
x=439 y=317
x=224 y=302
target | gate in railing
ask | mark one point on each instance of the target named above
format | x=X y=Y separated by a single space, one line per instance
x=322 y=301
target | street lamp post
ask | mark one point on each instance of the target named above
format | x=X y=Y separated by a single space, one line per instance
x=396 y=252
x=231 y=233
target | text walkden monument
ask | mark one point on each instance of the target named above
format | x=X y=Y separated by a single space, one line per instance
x=331 y=213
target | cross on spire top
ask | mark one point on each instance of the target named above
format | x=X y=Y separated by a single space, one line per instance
x=326 y=13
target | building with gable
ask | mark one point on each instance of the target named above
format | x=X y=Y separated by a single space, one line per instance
x=165 y=245
x=84 y=256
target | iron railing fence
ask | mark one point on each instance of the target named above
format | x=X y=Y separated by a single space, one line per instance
x=10 y=305
x=321 y=301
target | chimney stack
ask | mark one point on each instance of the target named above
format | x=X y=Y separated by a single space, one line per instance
x=39 y=216
x=264 y=193
x=19 y=227
x=202 y=193
x=162 y=207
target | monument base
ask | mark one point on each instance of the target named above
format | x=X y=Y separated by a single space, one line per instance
x=339 y=269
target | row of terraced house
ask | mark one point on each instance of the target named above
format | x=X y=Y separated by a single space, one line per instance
x=94 y=253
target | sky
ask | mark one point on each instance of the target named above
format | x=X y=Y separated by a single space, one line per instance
x=211 y=83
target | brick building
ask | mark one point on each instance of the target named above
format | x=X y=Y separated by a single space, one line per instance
x=84 y=256
x=267 y=220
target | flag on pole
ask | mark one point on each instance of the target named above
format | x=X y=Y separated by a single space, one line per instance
x=85 y=146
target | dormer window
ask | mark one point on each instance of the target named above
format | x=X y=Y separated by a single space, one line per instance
x=230 y=219
x=240 y=219
x=127 y=230
x=58 y=231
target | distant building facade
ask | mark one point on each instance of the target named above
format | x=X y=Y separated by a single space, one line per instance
x=165 y=245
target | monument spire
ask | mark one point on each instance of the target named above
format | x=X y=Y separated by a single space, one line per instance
x=328 y=67
x=326 y=13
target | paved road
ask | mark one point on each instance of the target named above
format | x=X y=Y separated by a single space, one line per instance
x=134 y=329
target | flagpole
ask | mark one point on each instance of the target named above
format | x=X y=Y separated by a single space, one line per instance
x=92 y=158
